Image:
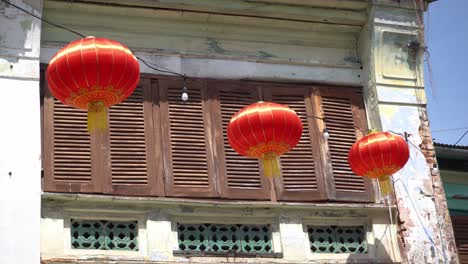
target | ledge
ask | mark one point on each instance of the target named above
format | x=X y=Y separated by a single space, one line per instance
x=73 y=197
x=181 y=253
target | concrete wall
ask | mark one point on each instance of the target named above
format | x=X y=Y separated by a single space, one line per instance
x=20 y=142
x=157 y=220
x=212 y=44
x=324 y=46
x=395 y=101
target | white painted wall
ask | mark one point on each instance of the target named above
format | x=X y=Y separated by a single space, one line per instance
x=20 y=131
x=395 y=101
x=157 y=219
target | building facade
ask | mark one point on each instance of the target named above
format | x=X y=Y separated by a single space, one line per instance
x=453 y=166
x=163 y=185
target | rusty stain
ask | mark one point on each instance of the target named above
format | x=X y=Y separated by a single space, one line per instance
x=445 y=228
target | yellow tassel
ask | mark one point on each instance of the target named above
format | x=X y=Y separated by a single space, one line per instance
x=97 y=117
x=271 y=166
x=386 y=187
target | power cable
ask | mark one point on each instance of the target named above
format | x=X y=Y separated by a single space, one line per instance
x=43 y=20
x=150 y=65
x=450 y=129
x=158 y=68
x=464 y=134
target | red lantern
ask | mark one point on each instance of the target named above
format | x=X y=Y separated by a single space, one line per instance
x=93 y=74
x=379 y=155
x=264 y=131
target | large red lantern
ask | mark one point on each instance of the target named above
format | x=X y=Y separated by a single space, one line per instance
x=264 y=131
x=379 y=155
x=93 y=74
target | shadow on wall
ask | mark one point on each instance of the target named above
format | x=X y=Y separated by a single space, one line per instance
x=383 y=255
x=17 y=34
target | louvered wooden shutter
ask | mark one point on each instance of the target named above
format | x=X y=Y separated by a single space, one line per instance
x=186 y=140
x=240 y=177
x=460 y=230
x=67 y=149
x=343 y=110
x=301 y=178
x=133 y=169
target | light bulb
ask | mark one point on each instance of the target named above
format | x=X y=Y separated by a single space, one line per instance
x=184 y=96
x=326 y=135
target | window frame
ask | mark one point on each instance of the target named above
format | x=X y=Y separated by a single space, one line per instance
x=160 y=159
x=83 y=214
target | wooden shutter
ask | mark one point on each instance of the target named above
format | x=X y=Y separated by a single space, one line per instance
x=460 y=230
x=187 y=141
x=67 y=149
x=133 y=169
x=343 y=110
x=240 y=177
x=300 y=167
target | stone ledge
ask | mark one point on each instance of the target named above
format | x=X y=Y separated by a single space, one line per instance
x=73 y=197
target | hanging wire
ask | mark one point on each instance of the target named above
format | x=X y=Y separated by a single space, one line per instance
x=421 y=223
x=149 y=64
x=157 y=68
x=450 y=129
x=43 y=20
x=163 y=70
x=466 y=132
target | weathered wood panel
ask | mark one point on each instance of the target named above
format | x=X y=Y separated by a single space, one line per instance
x=210 y=35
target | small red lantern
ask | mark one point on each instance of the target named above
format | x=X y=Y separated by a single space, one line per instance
x=93 y=74
x=379 y=155
x=264 y=131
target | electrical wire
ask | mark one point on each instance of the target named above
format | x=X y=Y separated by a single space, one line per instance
x=450 y=129
x=420 y=221
x=149 y=64
x=466 y=132
x=163 y=70
x=43 y=20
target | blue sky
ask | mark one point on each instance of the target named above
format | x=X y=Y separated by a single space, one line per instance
x=447 y=40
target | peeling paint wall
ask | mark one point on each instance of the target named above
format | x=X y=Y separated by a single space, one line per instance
x=396 y=102
x=20 y=160
x=197 y=43
x=335 y=46
x=158 y=235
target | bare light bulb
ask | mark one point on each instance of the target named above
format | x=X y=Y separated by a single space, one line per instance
x=326 y=135
x=184 y=96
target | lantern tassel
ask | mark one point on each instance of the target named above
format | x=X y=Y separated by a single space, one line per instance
x=97 y=117
x=386 y=187
x=271 y=165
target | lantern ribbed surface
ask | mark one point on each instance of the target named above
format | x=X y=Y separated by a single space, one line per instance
x=378 y=155
x=93 y=74
x=264 y=131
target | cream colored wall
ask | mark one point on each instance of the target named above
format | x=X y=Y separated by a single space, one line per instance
x=395 y=101
x=213 y=44
x=354 y=44
x=158 y=238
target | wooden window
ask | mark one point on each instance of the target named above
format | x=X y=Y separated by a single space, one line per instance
x=301 y=168
x=186 y=142
x=121 y=161
x=460 y=231
x=240 y=177
x=159 y=145
x=344 y=118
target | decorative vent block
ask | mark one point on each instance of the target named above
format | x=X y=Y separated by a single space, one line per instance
x=230 y=239
x=104 y=235
x=337 y=239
